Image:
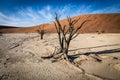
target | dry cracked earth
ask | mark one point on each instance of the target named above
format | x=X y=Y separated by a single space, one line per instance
x=97 y=55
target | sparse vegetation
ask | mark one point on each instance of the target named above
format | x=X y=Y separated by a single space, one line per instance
x=100 y=31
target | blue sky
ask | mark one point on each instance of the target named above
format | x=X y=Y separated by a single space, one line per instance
x=23 y=13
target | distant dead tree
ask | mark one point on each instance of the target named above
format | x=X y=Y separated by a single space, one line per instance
x=65 y=36
x=1 y=33
x=41 y=31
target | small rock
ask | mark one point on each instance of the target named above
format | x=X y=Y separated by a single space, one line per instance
x=115 y=58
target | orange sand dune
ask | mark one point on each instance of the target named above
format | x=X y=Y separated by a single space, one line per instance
x=109 y=23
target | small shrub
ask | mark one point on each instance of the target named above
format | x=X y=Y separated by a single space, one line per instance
x=100 y=31
x=103 y=31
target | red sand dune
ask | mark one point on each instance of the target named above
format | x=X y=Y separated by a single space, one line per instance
x=109 y=23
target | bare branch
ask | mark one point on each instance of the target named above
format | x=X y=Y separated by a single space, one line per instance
x=78 y=28
x=75 y=21
x=56 y=27
x=64 y=28
x=74 y=36
x=63 y=32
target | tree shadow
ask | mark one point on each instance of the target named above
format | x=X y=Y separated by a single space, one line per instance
x=104 y=51
x=72 y=57
x=96 y=47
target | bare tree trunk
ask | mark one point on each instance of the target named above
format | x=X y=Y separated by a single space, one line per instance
x=42 y=33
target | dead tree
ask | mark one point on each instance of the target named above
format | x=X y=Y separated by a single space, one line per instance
x=65 y=36
x=41 y=31
x=1 y=34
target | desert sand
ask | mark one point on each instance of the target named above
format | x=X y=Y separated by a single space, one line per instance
x=97 y=54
